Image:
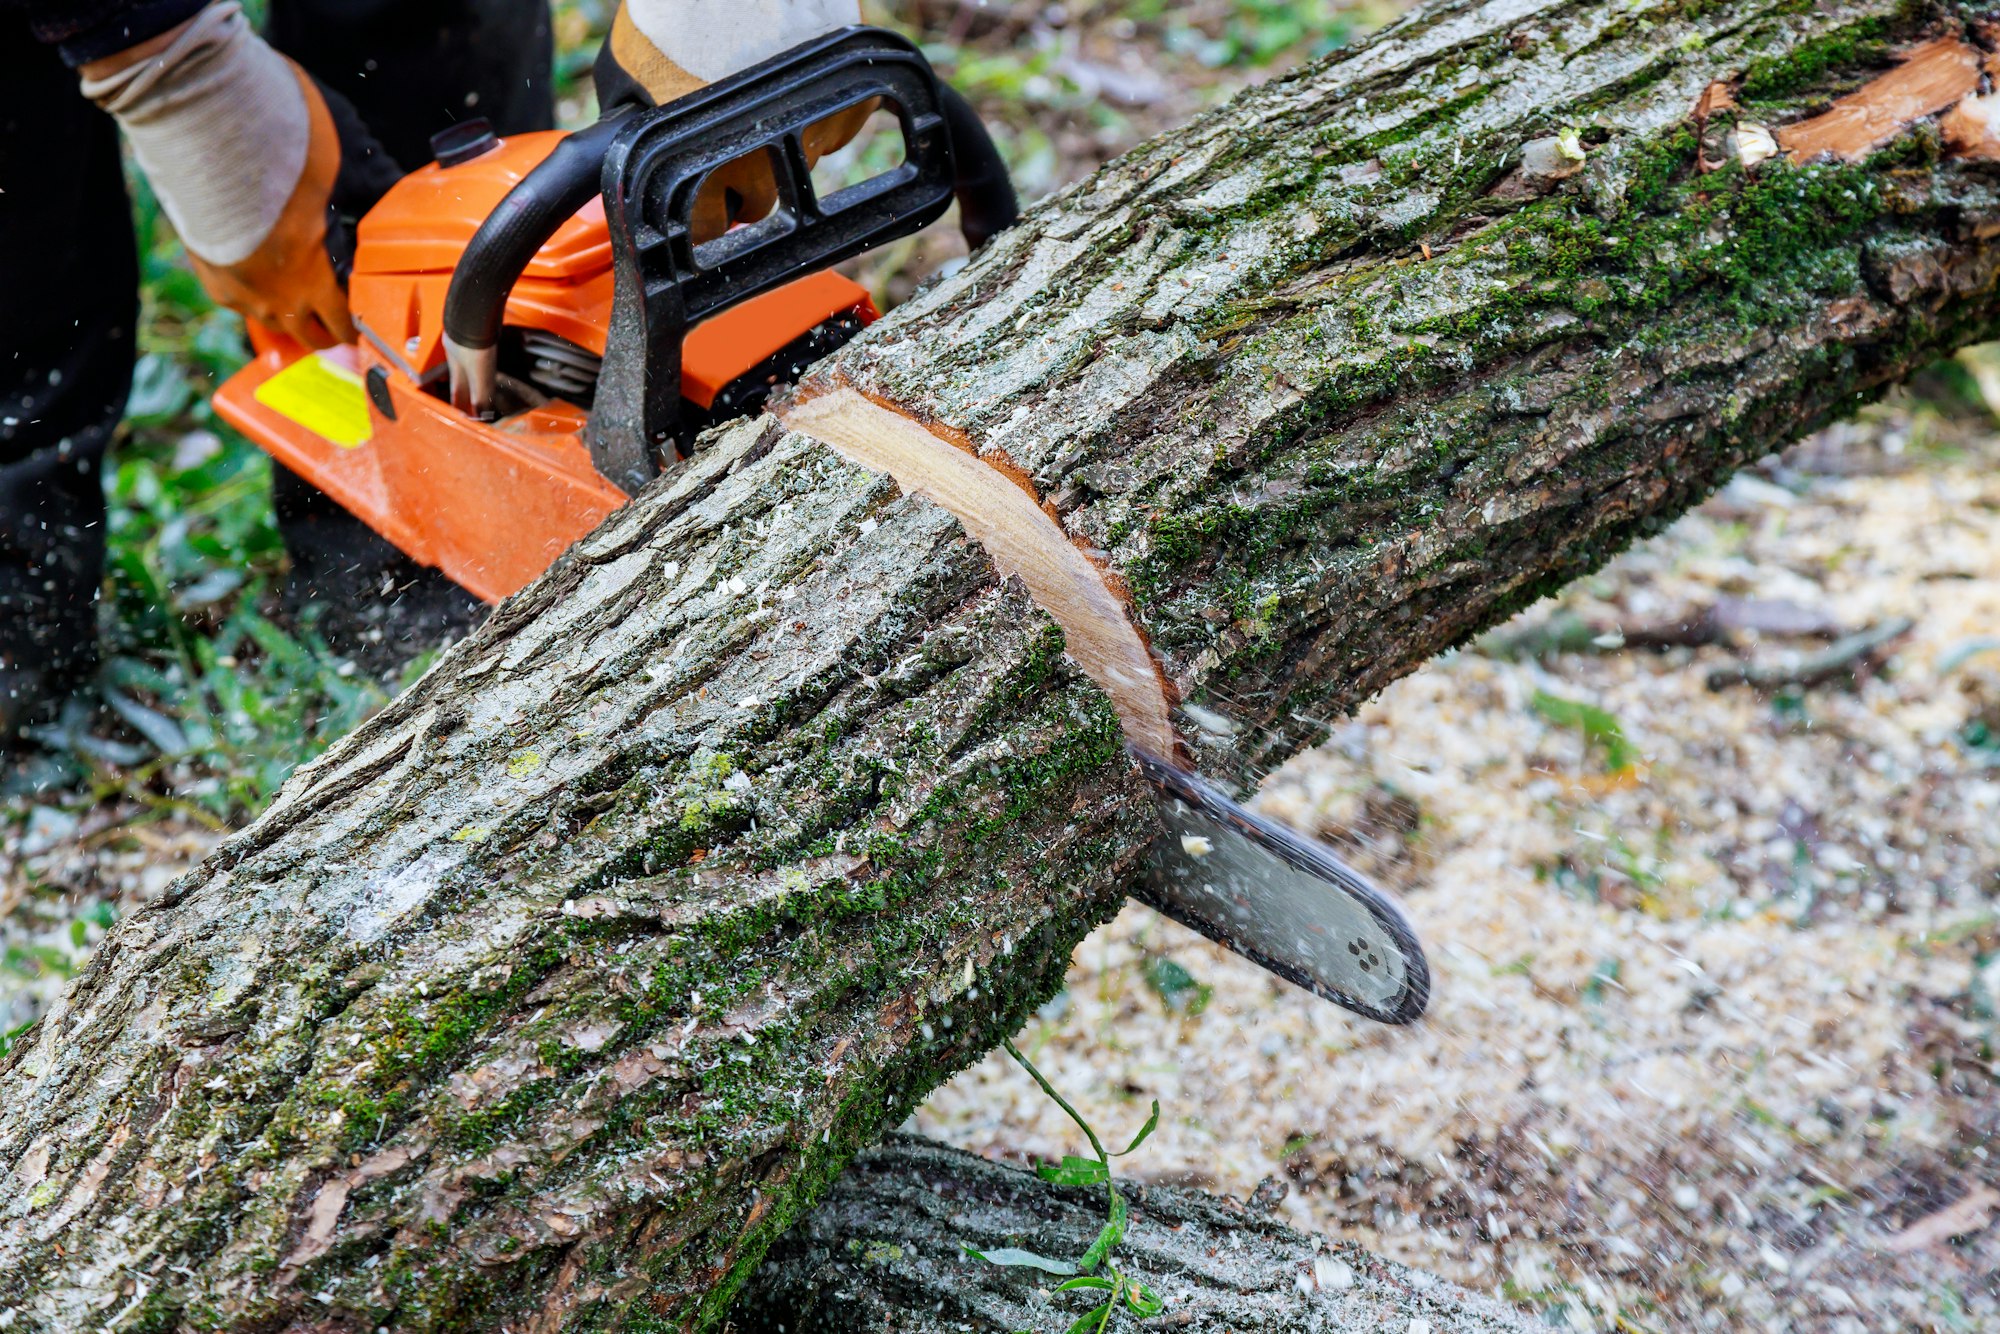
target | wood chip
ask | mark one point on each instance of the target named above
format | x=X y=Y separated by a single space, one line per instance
x=1931 y=78
x=1969 y=1213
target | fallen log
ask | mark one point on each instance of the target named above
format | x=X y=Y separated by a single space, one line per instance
x=558 y=991
x=886 y=1252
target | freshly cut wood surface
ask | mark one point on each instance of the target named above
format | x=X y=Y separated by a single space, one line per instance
x=551 y=997
x=1001 y=511
x=1930 y=78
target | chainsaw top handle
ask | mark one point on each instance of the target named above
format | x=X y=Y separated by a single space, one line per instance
x=650 y=165
x=500 y=251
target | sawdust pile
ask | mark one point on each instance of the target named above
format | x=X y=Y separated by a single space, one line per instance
x=1710 y=1046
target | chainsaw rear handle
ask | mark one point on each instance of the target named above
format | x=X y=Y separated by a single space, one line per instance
x=987 y=204
x=503 y=246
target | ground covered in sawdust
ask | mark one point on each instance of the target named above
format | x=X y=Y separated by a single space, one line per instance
x=1711 y=1041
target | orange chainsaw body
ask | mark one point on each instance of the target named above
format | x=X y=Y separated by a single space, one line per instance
x=492 y=504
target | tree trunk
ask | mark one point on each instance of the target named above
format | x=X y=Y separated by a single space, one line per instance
x=885 y=1253
x=552 y=996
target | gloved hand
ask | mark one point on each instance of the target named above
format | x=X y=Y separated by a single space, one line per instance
x=659 y=50
x=250 y=159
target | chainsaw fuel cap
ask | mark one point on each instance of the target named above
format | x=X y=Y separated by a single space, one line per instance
x=464 y=141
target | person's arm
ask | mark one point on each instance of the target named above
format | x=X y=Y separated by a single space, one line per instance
x=87 y=30
x=245 y=154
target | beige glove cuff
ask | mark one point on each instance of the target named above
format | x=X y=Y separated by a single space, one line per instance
x=671 y=47
x=219 y=124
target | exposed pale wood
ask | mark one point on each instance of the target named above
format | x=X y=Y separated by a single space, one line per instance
x=999 y=508
x=1969 y=128
x=1929 y=79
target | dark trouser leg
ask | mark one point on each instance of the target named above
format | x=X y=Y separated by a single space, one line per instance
x=68 y=311
x=411 y=68
x=414 y=67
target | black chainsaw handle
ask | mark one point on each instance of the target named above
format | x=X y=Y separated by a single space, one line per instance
x=987 y=204
x=499 y=252
x=475 y=304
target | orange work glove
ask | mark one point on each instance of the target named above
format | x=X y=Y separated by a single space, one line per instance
x=288 y=283
x=247 y=156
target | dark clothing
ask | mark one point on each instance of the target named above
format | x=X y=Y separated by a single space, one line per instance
x=69 y=305
x=69 y=274
x=87 y=30
x=413 y=67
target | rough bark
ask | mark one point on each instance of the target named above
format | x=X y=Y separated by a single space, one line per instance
x=885 y=1252
x=558 y=991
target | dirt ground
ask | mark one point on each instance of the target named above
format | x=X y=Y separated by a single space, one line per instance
x=1711 y=1041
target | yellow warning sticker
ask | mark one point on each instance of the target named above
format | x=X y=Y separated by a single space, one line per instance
x=323 y=396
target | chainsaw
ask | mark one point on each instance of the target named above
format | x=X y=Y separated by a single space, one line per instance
x=545 y=329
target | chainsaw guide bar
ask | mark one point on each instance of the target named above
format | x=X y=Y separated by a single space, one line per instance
x=1283 y=901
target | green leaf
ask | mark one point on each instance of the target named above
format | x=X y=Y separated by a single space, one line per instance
x=1112 y=1233
x=1145 y=1303
x=1600 y=729
x=1050 y=1089
x=1176 y=986
x=1086 y=1281
x=8 y=1038
x=1074 y=1171
x=163 y=732
x=1152 y=1122
x=1016 y=1258
x=1097 y=1315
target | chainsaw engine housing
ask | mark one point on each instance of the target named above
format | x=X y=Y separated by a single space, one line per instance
x=591 y=323
x=492 y=504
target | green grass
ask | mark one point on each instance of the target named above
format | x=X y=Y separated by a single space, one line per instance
x=203 y=703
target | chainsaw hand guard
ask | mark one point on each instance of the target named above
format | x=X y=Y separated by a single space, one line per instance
x=651 y=166
x=667 y=280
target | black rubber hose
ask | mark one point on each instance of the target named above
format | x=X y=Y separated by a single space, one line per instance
x=562 y=183
x=986 y=201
